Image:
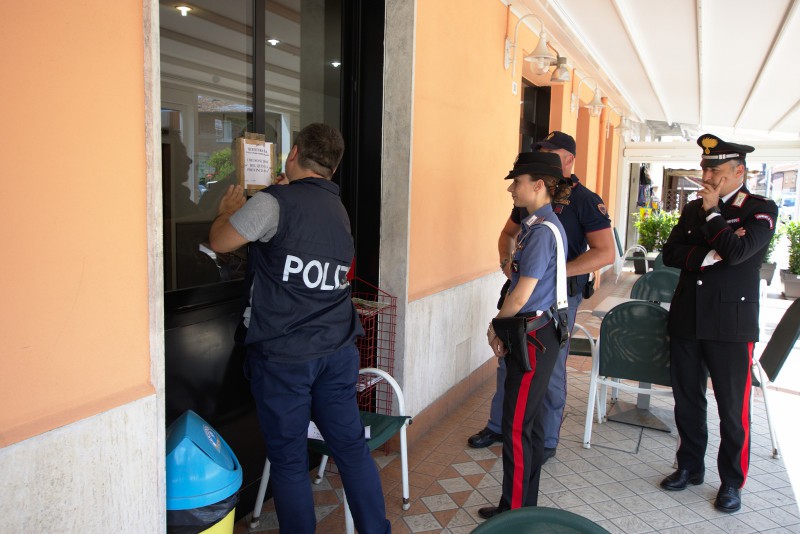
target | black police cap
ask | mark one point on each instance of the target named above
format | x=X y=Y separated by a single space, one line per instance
x=534 y=163
x=716 y=151
x=556 y=140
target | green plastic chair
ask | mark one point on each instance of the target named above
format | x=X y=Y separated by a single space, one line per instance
x=539 y=520
x=633 y=345
x=656 y=286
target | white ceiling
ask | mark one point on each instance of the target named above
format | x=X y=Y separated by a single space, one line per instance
x=685 y=66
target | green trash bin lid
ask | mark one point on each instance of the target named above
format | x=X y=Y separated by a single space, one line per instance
x=201 y=467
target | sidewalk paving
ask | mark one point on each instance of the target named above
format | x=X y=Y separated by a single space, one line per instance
x=615 y=483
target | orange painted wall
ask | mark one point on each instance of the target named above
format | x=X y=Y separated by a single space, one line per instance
x=465 y=139
x=74 y=313
x=466 y=136
x=610 y=174
x=587 y=138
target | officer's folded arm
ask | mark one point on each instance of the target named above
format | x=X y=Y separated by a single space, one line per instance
x=735 y=249
x=689 y=257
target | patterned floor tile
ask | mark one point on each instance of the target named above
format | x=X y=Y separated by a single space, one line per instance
x=614 y=483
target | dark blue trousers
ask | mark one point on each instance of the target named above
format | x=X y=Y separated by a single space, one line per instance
x=287 y=396
x=728 y=364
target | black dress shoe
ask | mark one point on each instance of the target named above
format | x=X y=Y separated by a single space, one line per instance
x=548 y=453
x=489 y=512
x=678 y=480
x=484 y=438
x=728 y=499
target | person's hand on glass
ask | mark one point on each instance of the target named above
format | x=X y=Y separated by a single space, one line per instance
x=232 y=200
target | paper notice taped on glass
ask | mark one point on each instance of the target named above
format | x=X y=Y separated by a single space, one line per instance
x=314 y=433
x=257 y=164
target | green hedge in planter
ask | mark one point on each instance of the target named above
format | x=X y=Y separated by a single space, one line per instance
x=792 y=229
x=773 y=242
x=654 y=228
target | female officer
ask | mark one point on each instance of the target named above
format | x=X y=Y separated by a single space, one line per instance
x=537 y=182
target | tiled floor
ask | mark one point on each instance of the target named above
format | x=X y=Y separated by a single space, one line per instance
x=615 y=483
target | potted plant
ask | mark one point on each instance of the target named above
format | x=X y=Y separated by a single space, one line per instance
x=654 y=228
x=791 y=276
x=769 y=264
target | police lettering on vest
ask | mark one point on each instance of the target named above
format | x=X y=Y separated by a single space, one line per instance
x=299 y=277
x=316 y=269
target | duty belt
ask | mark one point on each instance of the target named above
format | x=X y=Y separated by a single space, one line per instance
x=540 y=319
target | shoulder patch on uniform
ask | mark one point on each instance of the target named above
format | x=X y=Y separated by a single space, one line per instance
x=558 y=208
x=765 y=217
x=534 y=220
x=602 y=209
x=741 y=196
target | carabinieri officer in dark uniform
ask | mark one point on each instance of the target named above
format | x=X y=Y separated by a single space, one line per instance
x=532 y=294
x=719 y=244
x=302 y=328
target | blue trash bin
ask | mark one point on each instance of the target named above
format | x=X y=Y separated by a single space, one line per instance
x=203 y=478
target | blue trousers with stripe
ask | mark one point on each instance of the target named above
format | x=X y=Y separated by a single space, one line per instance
x=556 y=397
x=728 y=364
x=522 y=422
x=287 y=396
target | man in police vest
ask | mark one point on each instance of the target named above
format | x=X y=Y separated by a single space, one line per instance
x=301 y=351
x=719 y=244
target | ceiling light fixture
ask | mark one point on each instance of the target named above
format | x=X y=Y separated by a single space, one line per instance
x=273 y=42
x=596 y=105
x=183 y=9
x=561 y=73
x=541 y=55
x=336 y=64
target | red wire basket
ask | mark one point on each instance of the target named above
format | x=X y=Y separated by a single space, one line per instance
x=377 y=310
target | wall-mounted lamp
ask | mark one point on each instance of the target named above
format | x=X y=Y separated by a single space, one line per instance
x=595 y=107
x=541 y=56
x=183 y=9
x=561 y=73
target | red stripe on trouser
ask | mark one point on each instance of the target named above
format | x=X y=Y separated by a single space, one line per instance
x=748 y=385
x=516 y=437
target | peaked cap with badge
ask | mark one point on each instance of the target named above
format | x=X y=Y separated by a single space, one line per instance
x=716 y=151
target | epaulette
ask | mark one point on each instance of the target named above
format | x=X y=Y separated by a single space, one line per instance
x=534 y=220
x=760 y=197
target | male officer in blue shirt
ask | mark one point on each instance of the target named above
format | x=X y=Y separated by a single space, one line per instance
x=302 y=327
x=590 y=246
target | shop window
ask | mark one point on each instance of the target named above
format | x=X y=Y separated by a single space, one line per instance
x=228 y=68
